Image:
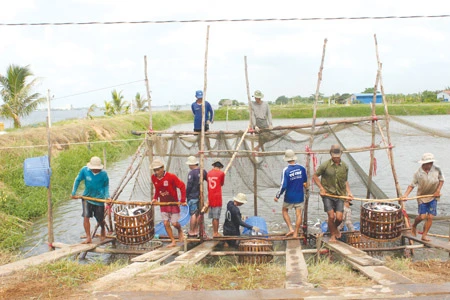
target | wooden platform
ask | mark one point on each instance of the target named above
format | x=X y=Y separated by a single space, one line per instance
x=296 y=268
x=49 y=257
x=371 y=267
x=434 y=243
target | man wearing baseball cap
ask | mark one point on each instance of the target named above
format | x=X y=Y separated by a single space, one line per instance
x=333 y=181
x=166 y=185
x=196 y=108
x=429 y=180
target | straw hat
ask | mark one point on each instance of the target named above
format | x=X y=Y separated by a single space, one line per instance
x=157 y=163
x=258 y=94
x=217 y=163
x=335 y=150
x=95 y=163
x=241 y=198
x=289 y=155
x=192 y=161
x=426 y=158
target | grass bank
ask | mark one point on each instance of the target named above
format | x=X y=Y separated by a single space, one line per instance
x=74 y=142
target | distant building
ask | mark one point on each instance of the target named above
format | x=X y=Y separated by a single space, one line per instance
x=444 y=96
x=365 y=98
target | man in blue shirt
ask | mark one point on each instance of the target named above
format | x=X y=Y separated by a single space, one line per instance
x=193 y=194
x=197 y=111
x=293 y=180
x=96 y=184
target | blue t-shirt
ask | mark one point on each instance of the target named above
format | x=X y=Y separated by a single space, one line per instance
x=197 y=111
x=193 y=183
x=95 y=185
x=292 y=180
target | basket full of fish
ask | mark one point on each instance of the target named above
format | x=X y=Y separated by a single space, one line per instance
x=381 y=220
x=134 y=224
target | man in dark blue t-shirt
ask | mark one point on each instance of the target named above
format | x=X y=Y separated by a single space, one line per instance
x=197 y=111
x=293 y=181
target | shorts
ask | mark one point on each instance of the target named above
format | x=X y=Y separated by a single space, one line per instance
x=214 y=212
x=199 y=129
x=171 y=217
x=193 y=206
x=428 y=208
x=90 y=210
x=293 y=205
x=332 y=204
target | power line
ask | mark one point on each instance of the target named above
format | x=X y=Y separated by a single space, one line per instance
x=221 y=20
x=99 y=89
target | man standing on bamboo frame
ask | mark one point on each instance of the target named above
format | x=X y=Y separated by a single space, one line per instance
x=333 y=181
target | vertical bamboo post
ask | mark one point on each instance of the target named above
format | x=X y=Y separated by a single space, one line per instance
x=251 y=125
x=51 y=238
x=311 y=137
x=202 y=133
x=372 y=151
x=149 y=97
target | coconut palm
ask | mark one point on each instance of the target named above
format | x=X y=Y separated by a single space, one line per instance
x=16 y=94
x=91 y=109
x=118 y=103
x=141 y=103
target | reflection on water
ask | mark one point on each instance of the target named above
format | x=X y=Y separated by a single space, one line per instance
x=408 y=150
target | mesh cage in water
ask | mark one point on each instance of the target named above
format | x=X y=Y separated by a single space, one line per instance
x=381 y=221
x=255 y=246
x=135 y=229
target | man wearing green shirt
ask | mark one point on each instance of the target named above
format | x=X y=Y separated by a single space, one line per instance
x=333 y=181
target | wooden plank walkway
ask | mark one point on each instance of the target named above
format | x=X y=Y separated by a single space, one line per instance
x=49 y=257
x=351 y=253
x=296 y=268
x=156 y=254
x=371 y=267
x=434 y=243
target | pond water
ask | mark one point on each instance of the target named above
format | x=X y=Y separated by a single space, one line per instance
x=408 y=150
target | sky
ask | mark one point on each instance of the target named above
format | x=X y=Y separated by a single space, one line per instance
x=81 y=65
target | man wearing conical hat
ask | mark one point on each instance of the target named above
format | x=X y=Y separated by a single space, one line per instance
x=429 y=180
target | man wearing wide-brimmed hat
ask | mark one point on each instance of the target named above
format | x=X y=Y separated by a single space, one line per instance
x=96 y=185
x=293 y=181
x=429 y=180
x=216 y=179
x=233 y=218
x=261 y=117
x=193 y=193
x=333 y=181
x=166 y=185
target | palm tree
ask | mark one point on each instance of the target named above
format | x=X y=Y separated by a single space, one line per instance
x=90 y=111
x=117 y=102
x=16 y=94
x=141 y=103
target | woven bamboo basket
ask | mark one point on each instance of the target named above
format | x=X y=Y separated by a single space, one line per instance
x=255 y=246
x=381 y=225
x=134 y=230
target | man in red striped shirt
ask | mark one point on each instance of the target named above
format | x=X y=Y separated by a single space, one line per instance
x=166 y=185
x=216 y=179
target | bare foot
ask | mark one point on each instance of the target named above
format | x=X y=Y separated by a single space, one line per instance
x=173 y=244
x=87 y=241
x=102 y=238
x=413 y=230
x=180 y=236
x=289 y=233
x=216 y=235
x=332 y=239
x=338 y=235
x=424 y=238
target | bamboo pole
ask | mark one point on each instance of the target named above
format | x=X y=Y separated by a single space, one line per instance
x=372 y=152
x=251 y=125
x=378 y=200
x=276 y=128
x=311 y=139
x=129 y=202
x=51 y=237
x=149 y=97
x=236 y=151
x=202 y=140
